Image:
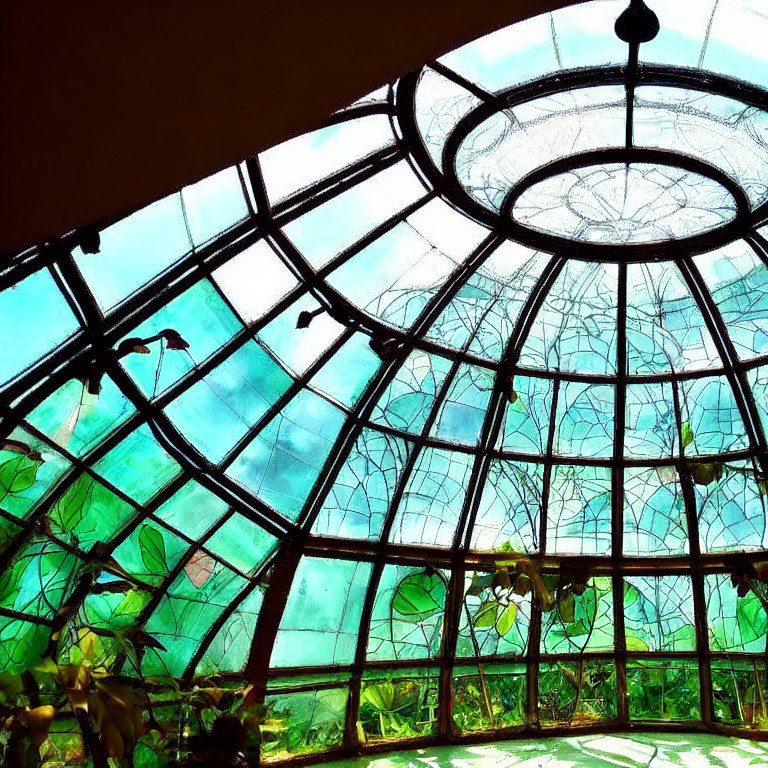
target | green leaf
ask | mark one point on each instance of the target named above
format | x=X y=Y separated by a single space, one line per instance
x=506 y=620
x=486 y=614
x=566 y=607
x=152 y=549
x=419 y=596
x=17 y=475
x=687 y=434
x=704 y=474
x=380 y=696
x=635 y=643
x=751 y=617
x=68 y=511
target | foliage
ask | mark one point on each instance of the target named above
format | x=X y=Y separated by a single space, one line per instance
x=507 y=695
x=398 y=708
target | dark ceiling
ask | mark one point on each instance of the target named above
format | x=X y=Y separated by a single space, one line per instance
x=107 y=106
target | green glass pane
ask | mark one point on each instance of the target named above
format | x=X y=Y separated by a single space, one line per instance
x=228 y=651
x=577 y=692
x=88 y=513
x=242 y=544
x=431 y=504
x=322 y=616
x=407 y=401
x=25 y=479
x=186 y=612
x=734 y=623
x=658 y=613
x=407 y=619
x=661 y=689
x=282 y=463
x=303 y=723
x=138 y=466
x=192 y=510
x=740 y=689
x=494 y=699
x=398 y=707
x=580 y=622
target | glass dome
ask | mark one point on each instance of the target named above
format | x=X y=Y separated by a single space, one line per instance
x=443 y=422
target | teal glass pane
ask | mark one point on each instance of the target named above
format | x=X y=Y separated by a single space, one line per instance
x=283 y=461
x=193 y=602
x=213 y=205
x=138 y=466
x=462 y=412
x=658 y=613
x=513 y=271
x=300 y=162
x=134 y=250
x=579 y=510
x=431 y=504
x=25 y=479
x=228 y=651
x=347 y=374
x=575 y=329
x=730 y=506
x=38 y=320
x=216 y=412
x=242 y=544
x=738 y=282
x=650 y=426
x=710 y=417
x=254 y=280
x=77 y=420
x=734 y=623
x=322 y=616
x=723 y=132
x=584 y=420
x=654 y=512
x=439 y=105
x=491 y=625
x=528 y=415
x=407 y=618
x=407 y=401
x=204 y=321
x=88 y=513
x=585 y=625
x=297 y=348
x=487 y=306
x=394 y=277
x=510 y=508
x=192 y=510
x=358 y=502
x=665 y=328
x=325 y=231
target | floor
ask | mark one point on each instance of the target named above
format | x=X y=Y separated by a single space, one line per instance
x=637 y=751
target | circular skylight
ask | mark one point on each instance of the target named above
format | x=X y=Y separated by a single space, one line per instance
x=448 y=417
